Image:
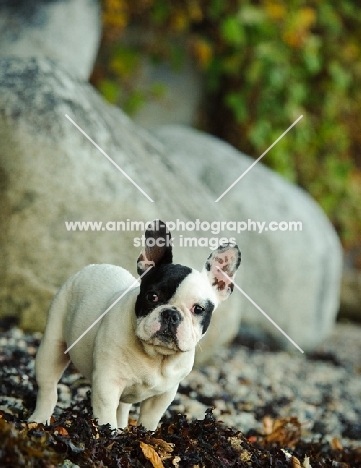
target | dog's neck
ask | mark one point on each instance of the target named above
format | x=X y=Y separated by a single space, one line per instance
x=170 y=361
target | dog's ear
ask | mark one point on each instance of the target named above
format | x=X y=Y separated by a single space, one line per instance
x=221 y=267
x=158 y=247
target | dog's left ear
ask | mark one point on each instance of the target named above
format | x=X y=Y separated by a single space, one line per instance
x=158 y=247
x=221 y=267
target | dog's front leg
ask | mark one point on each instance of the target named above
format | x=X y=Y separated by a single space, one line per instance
x=123 y=414
x=106 y=391
x=153 y=408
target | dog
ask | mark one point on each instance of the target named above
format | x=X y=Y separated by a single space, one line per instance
x=144 y=345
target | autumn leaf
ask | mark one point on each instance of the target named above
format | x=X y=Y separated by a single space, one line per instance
x=202 y=51
x=275 y=10
x=164 y=448
x=336 y=444
x=285 y=431
x=295 y=462
x=151 y=455
x=32 y=425
x=61 y=431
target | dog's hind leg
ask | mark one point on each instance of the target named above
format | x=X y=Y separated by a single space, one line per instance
x=49 y=367
x=50 y=362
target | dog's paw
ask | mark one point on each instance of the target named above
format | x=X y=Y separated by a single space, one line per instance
x=40 y=419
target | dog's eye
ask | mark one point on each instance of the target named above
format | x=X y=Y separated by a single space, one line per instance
x=197 y=309
x=152 y=297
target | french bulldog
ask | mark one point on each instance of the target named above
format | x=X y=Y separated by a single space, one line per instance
x=144 y=345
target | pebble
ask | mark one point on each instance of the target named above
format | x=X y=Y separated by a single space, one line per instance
x=242 y=385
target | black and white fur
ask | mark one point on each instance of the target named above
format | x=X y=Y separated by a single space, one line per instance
x=144 y=346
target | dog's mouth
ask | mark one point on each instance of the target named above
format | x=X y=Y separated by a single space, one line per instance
x=165 y=344
x=165 y=340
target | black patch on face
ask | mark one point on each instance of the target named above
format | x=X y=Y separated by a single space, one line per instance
x=162 y=280
x=207 y=315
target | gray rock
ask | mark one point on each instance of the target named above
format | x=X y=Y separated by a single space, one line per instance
x=67 y=31
x=293 y=276
x=50 y=173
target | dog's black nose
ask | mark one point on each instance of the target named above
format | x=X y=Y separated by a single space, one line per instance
x=171 y=317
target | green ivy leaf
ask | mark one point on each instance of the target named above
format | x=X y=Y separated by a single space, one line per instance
x=232 y=31
x=237 y=103
x=340 y=76
x=124 y=61
x=158 y=90
x=252 y=15
x=110 y=90
x=134 y=102
x=160 y=11
x=216 y=8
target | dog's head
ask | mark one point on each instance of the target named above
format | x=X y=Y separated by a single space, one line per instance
x=175 y=303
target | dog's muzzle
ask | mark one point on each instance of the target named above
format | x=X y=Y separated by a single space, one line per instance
x=169 y=319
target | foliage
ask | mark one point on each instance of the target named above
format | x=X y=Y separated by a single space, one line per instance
x=264 y=63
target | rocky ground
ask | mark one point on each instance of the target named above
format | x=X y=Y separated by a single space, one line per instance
x=292 y=410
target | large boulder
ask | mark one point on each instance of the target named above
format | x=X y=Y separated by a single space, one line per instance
x=294 y=276
x=50 y=173
x=66 y=31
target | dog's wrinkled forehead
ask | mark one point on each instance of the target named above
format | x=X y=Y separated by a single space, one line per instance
x=166 y=277
x=196 y=289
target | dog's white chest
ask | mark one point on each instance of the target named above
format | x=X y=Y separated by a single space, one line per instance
x=156 y=381
x=139 y=392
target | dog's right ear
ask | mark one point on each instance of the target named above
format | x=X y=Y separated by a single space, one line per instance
x=158 y=247
x=221 y=268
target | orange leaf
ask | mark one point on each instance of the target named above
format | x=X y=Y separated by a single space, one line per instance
x=285 y=431
x=336 y=444
x=163 y=448
x=162 y=443
x=295 y=462
x=151 y=455
x=33 y=425
x=62 y=431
